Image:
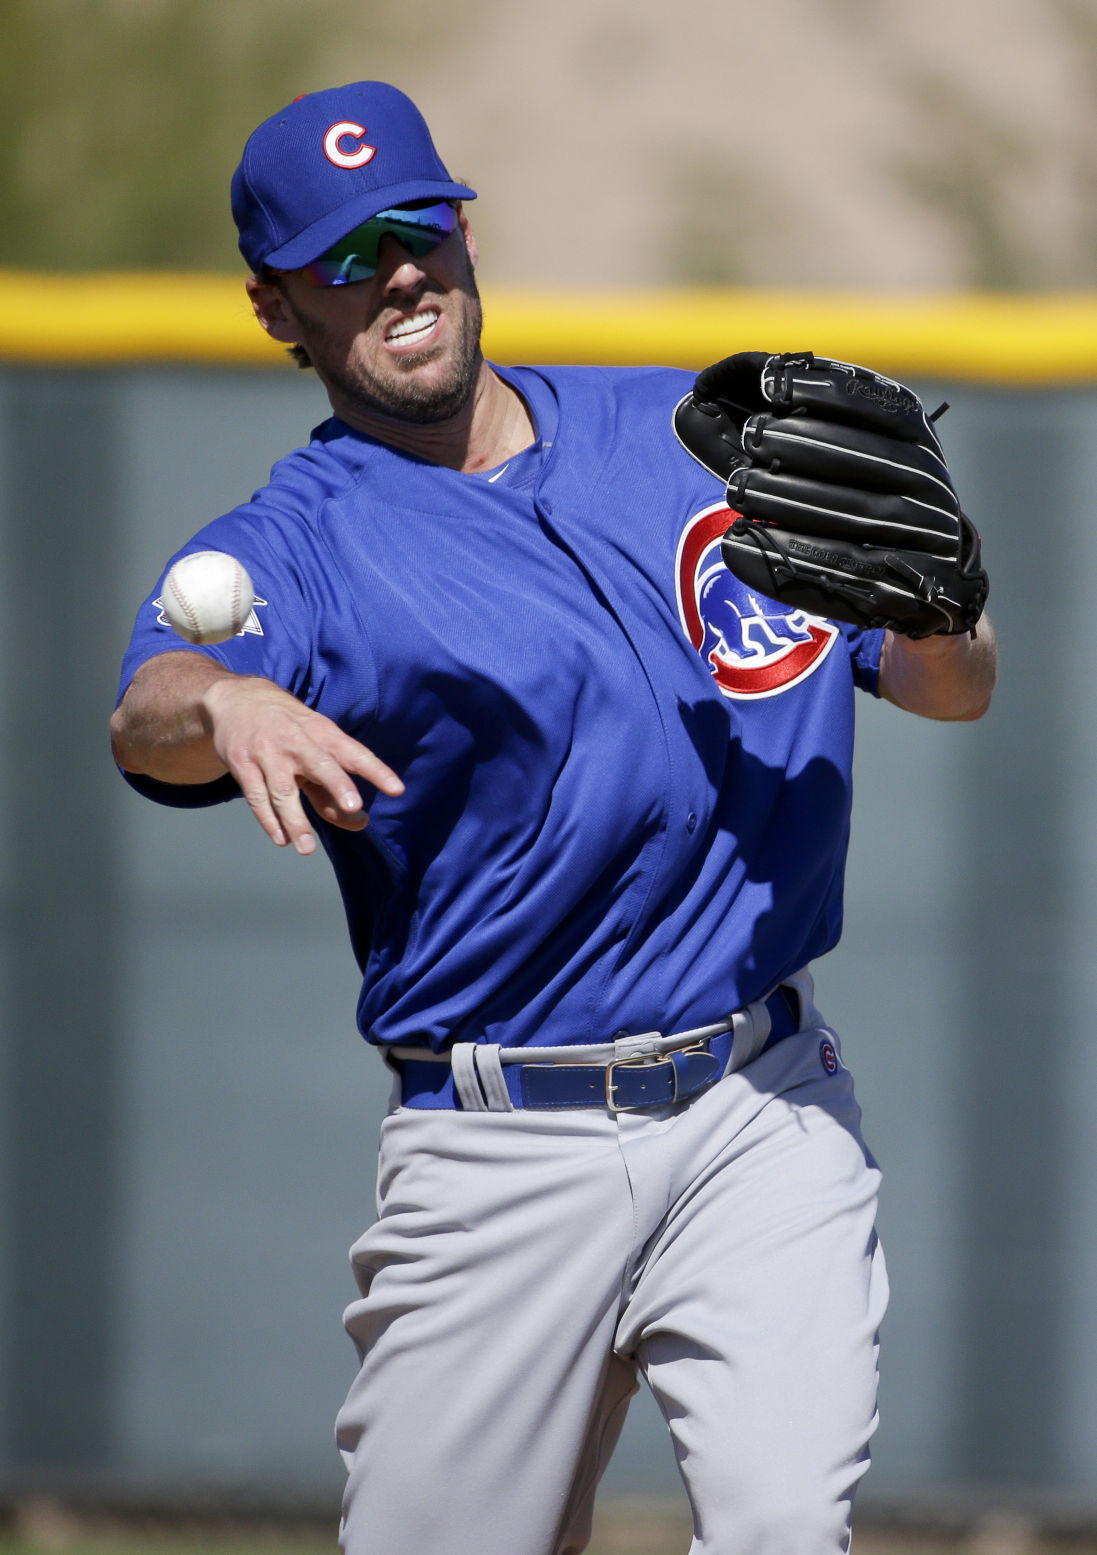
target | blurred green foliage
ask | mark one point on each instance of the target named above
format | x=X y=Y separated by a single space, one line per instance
x=113 y=116
x=121 y=120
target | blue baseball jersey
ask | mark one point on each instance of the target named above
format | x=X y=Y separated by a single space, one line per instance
x=627 y=777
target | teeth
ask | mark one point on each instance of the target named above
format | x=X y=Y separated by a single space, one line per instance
x=418 y=325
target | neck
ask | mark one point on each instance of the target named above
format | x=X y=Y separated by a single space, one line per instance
x=490 y=428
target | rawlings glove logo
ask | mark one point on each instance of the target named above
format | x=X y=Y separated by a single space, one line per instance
x=754 y=647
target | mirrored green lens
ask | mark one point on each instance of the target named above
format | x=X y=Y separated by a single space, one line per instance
x=418 y=228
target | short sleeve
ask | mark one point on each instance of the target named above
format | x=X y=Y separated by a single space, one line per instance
x=184 y=796
x=276 y=641
x=864 y=648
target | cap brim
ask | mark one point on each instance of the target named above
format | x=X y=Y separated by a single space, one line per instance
x=315 y=240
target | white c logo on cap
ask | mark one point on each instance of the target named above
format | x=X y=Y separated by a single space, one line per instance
x=333 y=153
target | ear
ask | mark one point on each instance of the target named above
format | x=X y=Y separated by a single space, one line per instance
x=270 y=307
x=472 y=248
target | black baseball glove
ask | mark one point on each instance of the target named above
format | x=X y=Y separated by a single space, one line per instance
x=846 y=506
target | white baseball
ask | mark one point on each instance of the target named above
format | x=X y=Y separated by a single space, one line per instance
x=207 y=597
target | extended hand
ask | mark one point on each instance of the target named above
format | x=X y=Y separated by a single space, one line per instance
x=278 y=749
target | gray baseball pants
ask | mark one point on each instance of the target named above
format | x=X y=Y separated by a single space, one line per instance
x=527 y=1267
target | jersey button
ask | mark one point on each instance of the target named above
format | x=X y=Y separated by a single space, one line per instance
x=691 y=821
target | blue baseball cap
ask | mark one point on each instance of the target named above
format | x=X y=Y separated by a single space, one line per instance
x=331 y=160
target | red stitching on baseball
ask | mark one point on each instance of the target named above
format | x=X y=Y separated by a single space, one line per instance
x=188 y=609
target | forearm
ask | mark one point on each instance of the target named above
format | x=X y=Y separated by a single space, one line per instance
x=949 y=678
x=161 y=728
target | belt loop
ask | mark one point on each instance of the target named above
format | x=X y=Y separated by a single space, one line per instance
x=803 y=984
x=751 y=1028
x=489 y=1069
x=465 y=1079
x=742 y=1031
x=396 y=1090
x=630 y=1046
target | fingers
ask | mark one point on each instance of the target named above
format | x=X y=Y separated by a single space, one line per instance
x=277 y=750
x=261 y=800
x=351 y=756
x=276 y=783
x=321 y=802
x=273 y=789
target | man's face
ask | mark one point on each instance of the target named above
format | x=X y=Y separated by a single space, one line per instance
x=405 y=343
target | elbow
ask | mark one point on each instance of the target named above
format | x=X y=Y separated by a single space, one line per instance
x=975 y=713
x=120 y=745
x=949 y=707
x=985 y=694
x=129 y=751
x=977 y=703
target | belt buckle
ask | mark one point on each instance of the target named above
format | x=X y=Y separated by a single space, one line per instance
x=646 y=1061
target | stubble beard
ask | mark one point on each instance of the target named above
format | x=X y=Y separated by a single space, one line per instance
x=401 y=395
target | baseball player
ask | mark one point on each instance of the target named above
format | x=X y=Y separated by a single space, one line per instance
x=607 y=784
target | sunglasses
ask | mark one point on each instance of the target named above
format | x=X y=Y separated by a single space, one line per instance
x=418 y=228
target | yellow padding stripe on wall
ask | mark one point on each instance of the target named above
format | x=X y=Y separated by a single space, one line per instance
x=205 y=319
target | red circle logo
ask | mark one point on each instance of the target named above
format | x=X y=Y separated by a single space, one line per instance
x=754 y=646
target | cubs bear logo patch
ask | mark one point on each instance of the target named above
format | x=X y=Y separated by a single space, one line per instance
x=754 y=647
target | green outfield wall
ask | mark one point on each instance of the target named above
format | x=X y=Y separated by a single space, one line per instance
x=187 y=1116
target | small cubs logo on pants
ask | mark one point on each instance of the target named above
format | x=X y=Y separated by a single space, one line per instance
x=754 y=646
